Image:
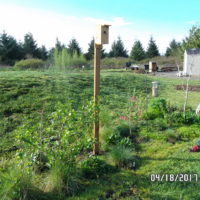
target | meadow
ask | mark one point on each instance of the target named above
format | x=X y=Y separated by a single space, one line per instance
x=46 y=141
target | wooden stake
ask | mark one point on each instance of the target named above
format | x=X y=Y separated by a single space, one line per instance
x=97 y=57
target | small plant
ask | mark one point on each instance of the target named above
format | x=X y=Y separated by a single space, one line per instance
x=188 y=133
x=62 y=178
x=156 y=109
x=121 y=155
x=171 y=136
x=17 y=183
x=94 y=167
x=160 y=124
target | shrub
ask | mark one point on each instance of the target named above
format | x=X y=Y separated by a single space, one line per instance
x=124 y=130
x=160 y=124
x=62 y=178
x=171 y=136
x=156 y=109
x=188 y=133
x=32 y=63
x=121 y=155
x=114 y=62
x=17 y=183
x=94 y=167
x=189 y=118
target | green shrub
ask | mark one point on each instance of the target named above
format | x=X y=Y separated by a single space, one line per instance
x=156 y=109
x=94 y=167
x=32 y=63
x=126 y=142
x=187 y=133
x=114 y=62
x=121 y=155
x=17 y=183
x=124 y=130
x=171 y=136
x=62 y=178
x=178 y=117
x=160 y=124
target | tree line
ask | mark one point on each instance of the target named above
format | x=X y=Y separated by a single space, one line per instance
x=11 y=50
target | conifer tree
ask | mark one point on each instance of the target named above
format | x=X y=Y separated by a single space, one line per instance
x=90 y=53
x=137 y=52
x=152 y=49
x=30 y=46
x=117 y=49
x=73 y=47
x=173 y=48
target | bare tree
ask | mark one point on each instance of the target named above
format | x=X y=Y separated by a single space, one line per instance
x=187 y=86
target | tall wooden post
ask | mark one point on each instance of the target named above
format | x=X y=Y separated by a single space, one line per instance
x=97 y=58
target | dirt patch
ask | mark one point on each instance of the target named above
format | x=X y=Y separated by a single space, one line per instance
x=194 y=88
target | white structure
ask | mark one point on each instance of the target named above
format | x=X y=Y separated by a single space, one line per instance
x=192 y=62
x=198 y=109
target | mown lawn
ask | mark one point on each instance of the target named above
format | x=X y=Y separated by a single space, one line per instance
x=34 y=95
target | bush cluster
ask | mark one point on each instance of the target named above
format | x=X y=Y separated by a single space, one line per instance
x=94 y=167
x=32 y=63
x=156 y=109
x=114 y=63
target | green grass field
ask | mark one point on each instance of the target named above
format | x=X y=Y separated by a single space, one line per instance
x=33 y=95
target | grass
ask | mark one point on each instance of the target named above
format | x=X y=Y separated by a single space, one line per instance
x=34 y=95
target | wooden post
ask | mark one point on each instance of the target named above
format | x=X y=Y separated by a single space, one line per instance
x=97 y=58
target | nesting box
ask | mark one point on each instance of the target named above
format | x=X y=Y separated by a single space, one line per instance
x=102 y=34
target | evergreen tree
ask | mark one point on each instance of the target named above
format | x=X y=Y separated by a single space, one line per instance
x=117 y=49
x=193 y=40
x=173 y=48
x=59 y=46
x=42 y=53
x=152 y=50
x=30 y=46
x=90 y=53
x=10 y=50
x=73 y=47
x=137 y=52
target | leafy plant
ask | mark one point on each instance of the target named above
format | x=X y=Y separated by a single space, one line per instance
x=71 y=129
x=93 y=167
x=63 y=178
x=171 y=136
x=156 y=109
x=160 y=124
x=188 y=133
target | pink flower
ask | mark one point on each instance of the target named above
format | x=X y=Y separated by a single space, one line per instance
x=123 y=118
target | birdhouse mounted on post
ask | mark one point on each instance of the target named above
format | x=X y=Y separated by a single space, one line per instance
x=102 y=34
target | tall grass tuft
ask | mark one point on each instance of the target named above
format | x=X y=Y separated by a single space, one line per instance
x=121 y=156
x=62 y=179
x=63 y=60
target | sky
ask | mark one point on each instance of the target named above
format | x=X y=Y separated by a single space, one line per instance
x=130 y=19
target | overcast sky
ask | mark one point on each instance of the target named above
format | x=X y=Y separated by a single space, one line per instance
x=130 y=19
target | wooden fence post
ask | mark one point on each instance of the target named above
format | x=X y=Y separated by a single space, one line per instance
x=97 y=58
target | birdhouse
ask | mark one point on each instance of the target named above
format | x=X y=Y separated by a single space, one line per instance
x=102 y=34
